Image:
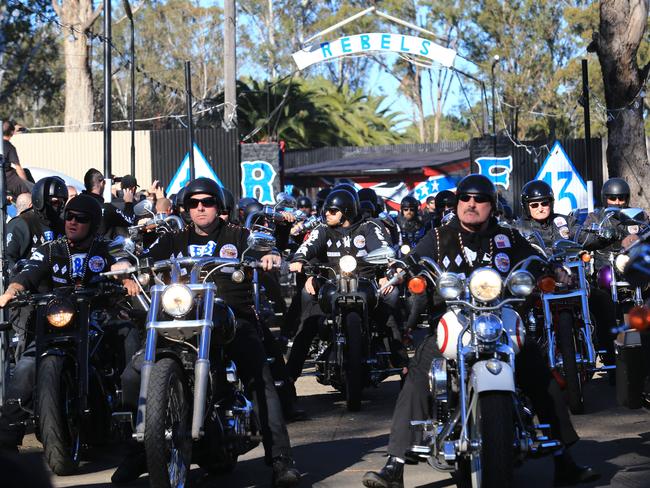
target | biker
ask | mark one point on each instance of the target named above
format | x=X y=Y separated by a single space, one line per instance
x=76 y=259
x=304 y=204
x=320 y=199
x=40 y=224
x=473 y=239
x=370 y=208
x=112 y=217
x=211 y=236
x=445 y=203
x=410 y=221
x=537 y=201
x=229 y=205
x=342 y=234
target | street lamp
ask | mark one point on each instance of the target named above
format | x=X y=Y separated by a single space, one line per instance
x=129 y=14
x=494 y=114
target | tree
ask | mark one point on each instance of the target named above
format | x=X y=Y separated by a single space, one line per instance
x=622 y=26
x=78 y=16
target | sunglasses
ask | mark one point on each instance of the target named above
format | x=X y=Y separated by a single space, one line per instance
x=209 y=202
x=80 y=218
x=408 y=209
x=545 y=203
x=477 y=198
x=332 y=210
x=615 y=198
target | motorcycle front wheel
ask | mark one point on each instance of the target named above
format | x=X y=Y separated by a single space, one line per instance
x=353 y=367
x=491 y=427
x=57 y=400
x=567 y=346
x=167 y=438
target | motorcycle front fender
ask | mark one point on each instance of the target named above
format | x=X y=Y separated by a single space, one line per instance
x=482 y=379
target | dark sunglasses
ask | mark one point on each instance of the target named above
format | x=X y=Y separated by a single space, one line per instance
x=80 y=218
x=332 y=210
x=615 y=198
x=209 y=202
x=477 y=198
x=409 y=209
x=545 y=203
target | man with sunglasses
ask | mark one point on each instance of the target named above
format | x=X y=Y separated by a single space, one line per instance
x=471 y=240
x=410 y=221
x=209 y=235
x=76 y=259
x=537 y=200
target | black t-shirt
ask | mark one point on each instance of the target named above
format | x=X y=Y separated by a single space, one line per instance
x=10 y=154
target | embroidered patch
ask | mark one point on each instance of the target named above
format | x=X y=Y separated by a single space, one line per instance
x=361 y=253
x=338 y=244
x=64 y=270
x=346 y=241
x=458 y=260
x=55 y=268
x=633 y=229
x=329 y=243
x=470 y=255
x=59 y=280
x=77 y=264
x=37 y=256
x=228 y=251
x=96 y=264
x=200 y=251
x=35 y=239
x=560 y=221
x=334 y=254
x=501 y=241
x=564 y=232
x=48 y=236
x=502 y=262
x=360 y=242
x=445 y=262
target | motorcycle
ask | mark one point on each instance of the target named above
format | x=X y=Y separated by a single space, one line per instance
x=77 y=370
x=480 y=424
x=192 y=404
x=352 y=353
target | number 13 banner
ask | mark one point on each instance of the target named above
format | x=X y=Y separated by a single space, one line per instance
x=568 y=186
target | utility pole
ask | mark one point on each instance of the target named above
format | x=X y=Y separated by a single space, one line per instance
x=4 y=325
x=190 y=122
x=230 y=64
x=129 y=14
x=494 y=113
x=585 y=106
x=108 y=121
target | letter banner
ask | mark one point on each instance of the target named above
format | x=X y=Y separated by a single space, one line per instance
x=398 y=43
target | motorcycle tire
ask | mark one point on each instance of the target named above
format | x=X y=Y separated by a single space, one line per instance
x=567 y=347
x=58 y=415
x=167 y=436
x=353 y=367
x=491 y=422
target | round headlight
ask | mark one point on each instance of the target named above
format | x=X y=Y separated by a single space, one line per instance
x=521 y=283
x=177 y=300
x=59 y=313
x=488 y=327
x=450 y=286
x=348 y=264
x=485 y=284
x=405 y=249
x=621 y=261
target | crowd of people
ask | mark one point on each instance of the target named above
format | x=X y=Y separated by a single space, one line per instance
x=59 y=238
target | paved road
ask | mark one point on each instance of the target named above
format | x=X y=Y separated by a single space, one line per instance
x=334 y=448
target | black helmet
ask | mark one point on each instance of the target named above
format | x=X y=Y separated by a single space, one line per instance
x=410 y=202
x=445 y=198
x=368 y=209
x=228 y=200
x=615 y=187
x=344 y=201
x=46 y=188
x=321 y=196
x=476 y=184
x=84 y=203
x=303 y=201
x=349 y=188
x=207 y=186
x=381 y=205
x=368 y=195
x=180 y=197
x=534 y=191
x=249 y=209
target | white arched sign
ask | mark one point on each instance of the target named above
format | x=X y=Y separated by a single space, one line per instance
x=375 y=41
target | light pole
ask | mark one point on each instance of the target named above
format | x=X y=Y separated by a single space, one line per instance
x=494 y=113
x=108 y=120
x=129 y=14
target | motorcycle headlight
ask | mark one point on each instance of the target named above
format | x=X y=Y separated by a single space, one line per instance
x=450 y=286
x=177 y=300
x=485 y=284
x=59 y=313
x=348 y=264
x=405 y=249
x=521 y=283
x=621 y=261
x=488 y=327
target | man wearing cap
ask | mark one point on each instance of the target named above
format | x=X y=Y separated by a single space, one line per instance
x=112 y=217
x=77 y=258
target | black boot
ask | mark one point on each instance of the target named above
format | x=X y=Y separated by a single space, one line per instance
x=284 y=472
x=568 y=473
x=390 y=476
x=130 y=469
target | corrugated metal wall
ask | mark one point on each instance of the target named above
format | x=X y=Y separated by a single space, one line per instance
x=525 y=166
x=220 y=147
x=304 y=157
x=74 y=153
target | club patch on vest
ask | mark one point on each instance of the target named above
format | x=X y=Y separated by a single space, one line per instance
x=564 y=232
x=359 y=242
x=96 y=264
x=228 y=251
x=501 y=241
x=560 y=222
x=633 y=229
x=502 y=262
x=197 y=251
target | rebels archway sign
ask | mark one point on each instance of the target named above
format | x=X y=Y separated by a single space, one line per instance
x=360 y=43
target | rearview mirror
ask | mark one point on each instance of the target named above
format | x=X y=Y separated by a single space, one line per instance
x=283 y=199
x=143 y=208
x=121 y=246
x=383 y=255
x=259 y=241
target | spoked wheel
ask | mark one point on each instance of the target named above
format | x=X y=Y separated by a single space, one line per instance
x=353 y=362
x=491 y=429
x=572 y=374
x=167 y=438
x=58 y=415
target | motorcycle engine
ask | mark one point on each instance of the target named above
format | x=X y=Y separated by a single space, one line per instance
x=439 y=387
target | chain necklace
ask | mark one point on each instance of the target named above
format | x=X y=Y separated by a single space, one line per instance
x=78 y=281
x=463 y=250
